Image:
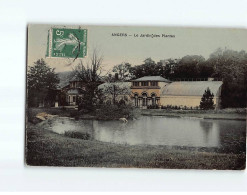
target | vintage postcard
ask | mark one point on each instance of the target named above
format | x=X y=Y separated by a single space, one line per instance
x=136 y=96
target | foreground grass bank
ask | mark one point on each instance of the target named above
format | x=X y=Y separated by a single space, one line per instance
x=45 y=148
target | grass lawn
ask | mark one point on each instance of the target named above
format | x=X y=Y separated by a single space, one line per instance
x=46 y=148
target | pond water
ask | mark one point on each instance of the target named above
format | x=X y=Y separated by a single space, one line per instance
x=155 y=130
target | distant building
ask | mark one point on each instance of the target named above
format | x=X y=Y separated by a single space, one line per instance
x=156 y=90
x=75 y=89
x=147 y=90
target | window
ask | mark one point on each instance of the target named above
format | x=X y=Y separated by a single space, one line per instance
x=153 y=99
x=74 y=98
x=135 y=83
x=144 y=83
x=136 y=100
x=144 y=99
x=154 y=83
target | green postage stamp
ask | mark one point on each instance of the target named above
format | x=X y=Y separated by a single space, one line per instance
x=67 y=43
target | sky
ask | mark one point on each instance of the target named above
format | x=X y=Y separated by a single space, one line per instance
x=118 y=49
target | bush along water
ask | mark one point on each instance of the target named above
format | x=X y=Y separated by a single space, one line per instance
x=114 y=111
x=77 y=135
x=153 y=107
x=171 y=107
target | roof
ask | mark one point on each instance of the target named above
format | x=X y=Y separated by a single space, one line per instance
x=65 y=86
x=74 y=91
x=75 y=78
x=152 y=78
x=120 y=84
x=190 y=88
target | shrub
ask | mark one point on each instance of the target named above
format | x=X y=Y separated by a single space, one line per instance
x=153 y=107
x=77 y=134
x=73 y=113
x=111 y=112
x=207 y=101
x=121 y=103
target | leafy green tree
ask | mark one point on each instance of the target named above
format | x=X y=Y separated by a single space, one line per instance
x=207 y=101
x=188 y=67
x=205 y=70
x=41 y=80
x=149 y=68
x=123 y=71
x=41 y=76
x=149 y=61
x=169 y=66
x=231 y=67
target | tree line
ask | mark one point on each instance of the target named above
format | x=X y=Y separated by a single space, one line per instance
x=223 y=64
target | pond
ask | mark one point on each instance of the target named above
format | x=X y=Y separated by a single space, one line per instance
x=154 y=130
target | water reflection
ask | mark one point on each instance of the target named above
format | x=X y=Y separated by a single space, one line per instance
x=207 y=127
x=159 y=131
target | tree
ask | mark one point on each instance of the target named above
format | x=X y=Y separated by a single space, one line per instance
x=116 y=90
x=149 y=61
x=149 y=68
x=205 y=70
x=231 y=67
x=41 y=76
x=90 y=74
x=207 y=101
x=41 y=80
x=169 y=66
x=91 y=71
x=123 y=71
x=188 y=67
x=115 y=101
